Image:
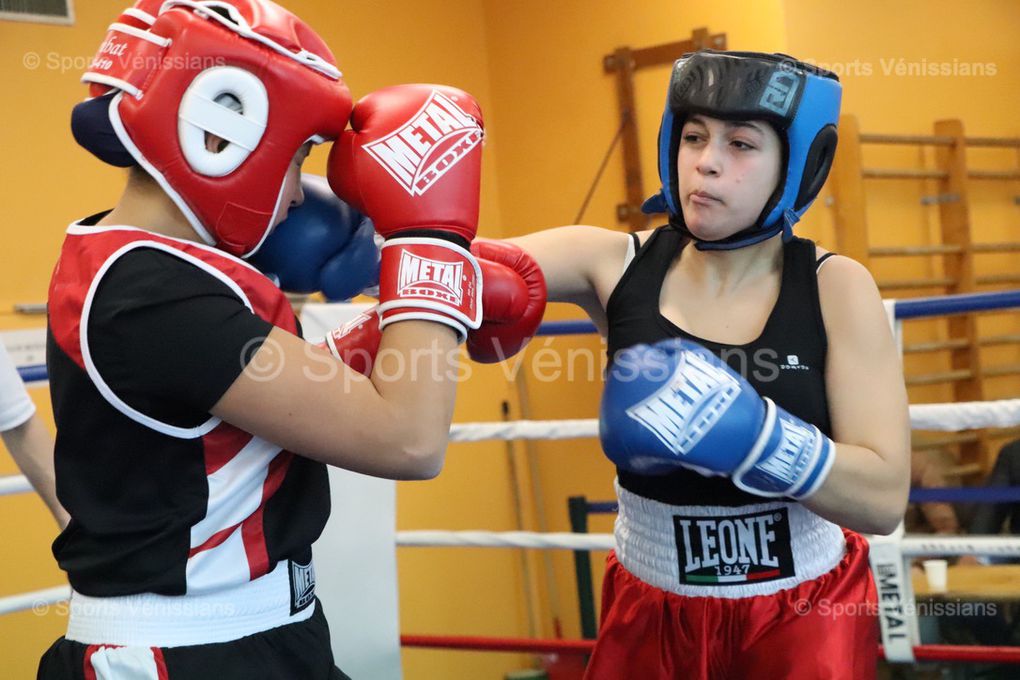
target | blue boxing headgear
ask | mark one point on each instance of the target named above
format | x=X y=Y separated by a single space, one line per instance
x=800 y=101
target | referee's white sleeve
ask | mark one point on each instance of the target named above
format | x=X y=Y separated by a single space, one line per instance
x=15 y=405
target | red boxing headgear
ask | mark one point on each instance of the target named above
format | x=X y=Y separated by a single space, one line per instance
x=169 y=62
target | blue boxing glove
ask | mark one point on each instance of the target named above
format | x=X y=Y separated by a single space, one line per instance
x=675 y=404
x=324 y=244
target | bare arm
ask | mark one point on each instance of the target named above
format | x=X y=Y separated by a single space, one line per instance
x=581 y=265
x=31 y=446
x=867 y=488
x=393 y=424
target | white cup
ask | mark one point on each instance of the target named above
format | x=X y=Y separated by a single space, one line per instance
x=935 y=572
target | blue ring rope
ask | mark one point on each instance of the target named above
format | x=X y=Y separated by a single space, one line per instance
x=974 y=494
x=905 y=309
x=34 y=373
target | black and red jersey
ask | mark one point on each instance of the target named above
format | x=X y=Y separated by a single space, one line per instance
x=145 y=334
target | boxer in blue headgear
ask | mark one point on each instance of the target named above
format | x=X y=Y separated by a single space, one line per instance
x=754 y=403
x=800 y=101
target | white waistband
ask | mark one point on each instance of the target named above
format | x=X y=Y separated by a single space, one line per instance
x=647 y=546
x=177 y=620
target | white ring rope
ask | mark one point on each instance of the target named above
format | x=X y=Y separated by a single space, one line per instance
x=504 y=539
x=38 y=600
x=12 y=484
x=965 y=415
x=918 y=545
x=524 y=429
x=951 y=417
x=910 y=546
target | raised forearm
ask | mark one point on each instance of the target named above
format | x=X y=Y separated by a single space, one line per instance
x=416 y=374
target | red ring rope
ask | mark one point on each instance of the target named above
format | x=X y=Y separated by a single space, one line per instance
x=966 y=653
x=497 y=644
x=947 y=653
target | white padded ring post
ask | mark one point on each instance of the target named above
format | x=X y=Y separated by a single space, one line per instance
x=200 y=114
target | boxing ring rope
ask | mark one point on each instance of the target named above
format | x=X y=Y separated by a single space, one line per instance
x=974 y=494
x=911 y=545
x=915 y=308
x=895 y=551
x=977 y=415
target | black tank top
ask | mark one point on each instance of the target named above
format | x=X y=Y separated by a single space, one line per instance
x=786 y=362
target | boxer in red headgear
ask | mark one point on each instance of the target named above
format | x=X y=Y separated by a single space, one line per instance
x=193 y=424
x=248 y=72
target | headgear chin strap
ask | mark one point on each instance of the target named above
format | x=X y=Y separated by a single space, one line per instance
x=165 y=77
x=800 y=101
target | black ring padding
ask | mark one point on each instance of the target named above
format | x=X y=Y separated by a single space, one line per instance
x=817 y=165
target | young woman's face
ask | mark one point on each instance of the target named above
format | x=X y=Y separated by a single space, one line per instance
x=727 y=171
x=293 y=196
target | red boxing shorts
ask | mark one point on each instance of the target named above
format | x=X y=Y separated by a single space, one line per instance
x=824 y=628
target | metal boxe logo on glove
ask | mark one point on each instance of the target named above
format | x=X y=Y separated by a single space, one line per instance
x=353 y=324
x=681 y=412
x=428 y=145
x=422 y=277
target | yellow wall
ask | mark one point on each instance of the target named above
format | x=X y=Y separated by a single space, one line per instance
x=551 y=113
x=872 y=45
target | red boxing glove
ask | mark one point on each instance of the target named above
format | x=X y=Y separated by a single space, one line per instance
x=357 y=341
x=514 y=298
x=412 y=162
x=513 y=301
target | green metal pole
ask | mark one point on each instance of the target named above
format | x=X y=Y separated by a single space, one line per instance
x=578 y=507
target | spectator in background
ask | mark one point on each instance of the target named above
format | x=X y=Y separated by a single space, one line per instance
x=26 y=437
x=990 y=517
x=928 y=471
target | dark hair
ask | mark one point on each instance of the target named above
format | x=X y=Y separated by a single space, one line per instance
x=138 y=174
